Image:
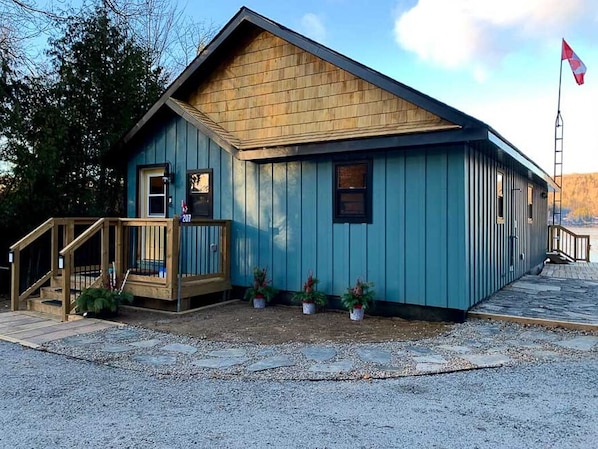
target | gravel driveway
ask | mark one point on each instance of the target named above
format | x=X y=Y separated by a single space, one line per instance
x=48 y=400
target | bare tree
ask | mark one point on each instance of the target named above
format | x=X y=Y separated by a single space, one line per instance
x=162 y=27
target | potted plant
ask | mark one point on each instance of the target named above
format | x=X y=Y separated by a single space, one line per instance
x=261 y=291
x=358 y=298
x=101 y=302
x=310 y=296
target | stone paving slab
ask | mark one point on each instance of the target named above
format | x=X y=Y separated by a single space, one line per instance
x=429 y=367
x=229 y=353
x=435 y=359
x=318 y=353
x=374 y=355
x=342 y=366
x=561 y=302
x=180 y=348
x=146 y=343
x=487 y=360
x=271 y=363
x=220 y=362
x=580 y=343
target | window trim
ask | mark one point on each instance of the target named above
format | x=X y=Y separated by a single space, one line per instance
x=209 y=195
x=366 y=217
x=500 y=198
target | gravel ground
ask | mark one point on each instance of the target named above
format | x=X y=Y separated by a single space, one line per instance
x=48 y=400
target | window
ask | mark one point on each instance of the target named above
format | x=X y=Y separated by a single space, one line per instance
x=353 y=192
x=530 y=203
x=500 y=198
x=156 y=197
x=199 y=193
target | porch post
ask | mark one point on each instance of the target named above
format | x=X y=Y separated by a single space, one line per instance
x=15 y=275
x=105 y=241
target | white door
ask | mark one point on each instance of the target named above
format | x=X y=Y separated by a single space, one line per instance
x=152 y=197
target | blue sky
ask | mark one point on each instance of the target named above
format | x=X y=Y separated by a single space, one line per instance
x=497 y=60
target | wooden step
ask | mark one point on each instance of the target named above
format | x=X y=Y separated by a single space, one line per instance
x=49 y=293
x=557 y=258
x=78 y=281
x=49 y=307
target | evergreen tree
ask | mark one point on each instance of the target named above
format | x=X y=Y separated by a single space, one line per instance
x=57 y=128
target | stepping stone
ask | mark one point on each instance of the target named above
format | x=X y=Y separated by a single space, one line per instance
x=429 y=367
x=219 y=362
x=115 y=349
x=335 y=367
x=419 y=350
x=540 y=287
x=545 y=354
x=228 y=353
x=122 y=334
x=265 y=352
x=455 y=348
x=181 y=348
x=497 y=349
x=579 y=343
x=487 y=360
x=434 y=358
x=145 y=343
x=154 y=360
x=318 y=353
x=271 y=363
x=538 y=336
x=80 y=340
x=374 y=355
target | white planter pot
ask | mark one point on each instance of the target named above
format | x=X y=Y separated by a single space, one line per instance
x=259 y=303
x=356 y=314
x=309 y=308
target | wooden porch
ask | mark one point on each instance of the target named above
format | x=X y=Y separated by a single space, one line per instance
x=163 y=262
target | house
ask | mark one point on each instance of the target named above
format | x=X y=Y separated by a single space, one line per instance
x=294 y=157
x=324 y=164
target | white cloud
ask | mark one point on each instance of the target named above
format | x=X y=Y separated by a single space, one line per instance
x=312 y=26
x=456 y=33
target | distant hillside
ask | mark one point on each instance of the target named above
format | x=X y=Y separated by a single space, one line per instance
x=580 y=197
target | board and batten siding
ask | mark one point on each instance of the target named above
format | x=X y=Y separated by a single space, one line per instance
x=499 y=253
x=413 y=250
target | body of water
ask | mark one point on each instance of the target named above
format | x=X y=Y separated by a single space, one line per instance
x=593 y=233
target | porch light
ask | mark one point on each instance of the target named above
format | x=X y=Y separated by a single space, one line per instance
x=11 y=257
x=168 y=176
x=61 y=262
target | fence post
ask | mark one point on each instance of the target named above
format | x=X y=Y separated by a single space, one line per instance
x=104 y=257
x=66 y=286
x=15 y=279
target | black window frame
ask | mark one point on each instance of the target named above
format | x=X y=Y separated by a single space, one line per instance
x=209 y=197
x=338 y=216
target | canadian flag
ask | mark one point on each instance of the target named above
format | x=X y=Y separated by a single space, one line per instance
x=578 y=67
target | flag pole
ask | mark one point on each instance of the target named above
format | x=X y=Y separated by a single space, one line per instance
x=558 y=151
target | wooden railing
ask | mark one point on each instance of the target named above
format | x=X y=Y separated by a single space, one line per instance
x=156 y=253
x=573 y=246
x=34 y=258
x=85 y=261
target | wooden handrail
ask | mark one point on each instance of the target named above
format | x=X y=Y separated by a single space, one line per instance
x=580 y=242
x=81 y=239
x=33 y=235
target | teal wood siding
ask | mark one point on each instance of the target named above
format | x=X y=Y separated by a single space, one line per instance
x=499 y=253
x=433 y=240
